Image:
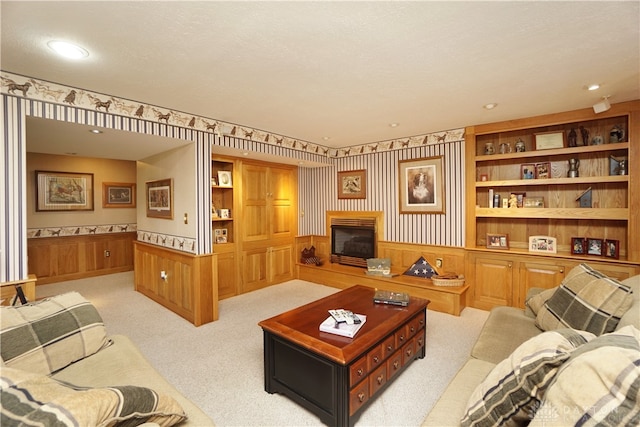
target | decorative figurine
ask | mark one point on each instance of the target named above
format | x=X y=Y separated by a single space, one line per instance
x=584 y=132
x=597 y=140
x=574 y=164
x=488 y=148
x=505 y=148
x=573 y=138
x=520 y=147
x=513 y=201
x=585 y=198
x=616 y=134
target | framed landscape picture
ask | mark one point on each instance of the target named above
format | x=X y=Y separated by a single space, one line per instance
x=421 y=186
x=352 y=184
x=118 y=195
x=160 y=199
x=64 y=191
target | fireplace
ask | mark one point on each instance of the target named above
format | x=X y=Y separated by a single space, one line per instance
x=353 y=241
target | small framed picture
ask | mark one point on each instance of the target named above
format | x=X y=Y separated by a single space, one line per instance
x=352 y=184
x=612 y=248
x=528 y=171
x=214 y=181
x=484 y=177
x=578 y=245
x=543 y=170
x=534 y=202
x=545 y=244
x=594 y=247
x=549 y=140
x=224 y=179
x=225 y=213
x=220 y=235
x=118 y=195
x=497 y=241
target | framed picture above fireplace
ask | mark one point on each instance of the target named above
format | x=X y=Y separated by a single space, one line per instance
x=421 y=186
x=352 y=184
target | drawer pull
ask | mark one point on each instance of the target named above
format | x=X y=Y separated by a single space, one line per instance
x=396 y=364
x=389 y=348
x=420 y=342
x=413 y=329
x=409 y=351
x=380 y=379
x=401 y=338
x=361 y=396
x=421 y=322
x=375 y=359
x=360 y=372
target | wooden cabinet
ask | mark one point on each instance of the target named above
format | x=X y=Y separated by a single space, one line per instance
x=543 y=179
x=502 y=278
x=222 y=200
x=269 y=224
x=227 y=274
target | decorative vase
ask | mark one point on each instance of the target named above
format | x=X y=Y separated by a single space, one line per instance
x=574 y=164
x=488 y=148
x=520 y=147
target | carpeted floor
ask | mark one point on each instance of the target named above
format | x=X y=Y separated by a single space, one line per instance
x=219 y=366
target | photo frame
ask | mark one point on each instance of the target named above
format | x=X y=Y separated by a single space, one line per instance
x=160 y=198
x=220 y=235
x=578 y=245
x=533 y=202
x=497 y=241
x=118 y=195
x=543 y=170
x=612 y=248
x=594 y=247
x=549 y=140
x=544 y=244
x=352 y=184
x=64 y=191
x=528 y=171
x=421 y=186
x=224 y=179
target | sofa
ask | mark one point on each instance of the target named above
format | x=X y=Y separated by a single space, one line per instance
x=59 y=367
x=506 y=344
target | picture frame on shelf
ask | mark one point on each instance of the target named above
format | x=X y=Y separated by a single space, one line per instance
x=594 y=246
x=578 y=246
x=160 y=198
x=543 y=170
x=214 y=181
x=543 y=244
x=64 y=191
x=220 y=235
x=528 y=171
x=533 y=202
x=421 y=183
x=548 y=140
x=352 y=184
x=612 y=248
x=225 y=213
x=224 y=179
x=497 y=241
x=118 y=195
x=484 y=177
x=617 y=165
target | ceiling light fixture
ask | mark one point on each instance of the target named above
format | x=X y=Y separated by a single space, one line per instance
x=326 y=138
x=394 y=125
x=594 y=86
x=96 y=131
x=602 y=106
x=68 y=50
x=490 y=106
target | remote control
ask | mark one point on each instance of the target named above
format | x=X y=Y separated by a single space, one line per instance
x=344 y=316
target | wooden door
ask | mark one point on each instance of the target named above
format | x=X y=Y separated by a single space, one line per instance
x=493 y=282
x=281 y=197
x=254 y=269
x=538 y=275
x=255 y=221
x=227 y=280
x=281 y=264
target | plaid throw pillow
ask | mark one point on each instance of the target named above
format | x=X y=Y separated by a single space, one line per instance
x=48 y=335
x=587 y=300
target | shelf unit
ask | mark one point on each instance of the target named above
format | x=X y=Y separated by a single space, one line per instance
x=615 y=198
x=222 y=208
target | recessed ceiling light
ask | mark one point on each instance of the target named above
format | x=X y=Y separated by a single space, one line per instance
x=594 y=86
x=490 y=106
x=394 y=125
x=96 y=131
x=68 y=50
x=245 y=153
x=326 y=138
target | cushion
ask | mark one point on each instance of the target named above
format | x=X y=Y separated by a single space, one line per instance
x=587 y=300
x=536 y=302
x=632 y=316
x=34 y=399
x=607 y=393
x=513 y=390
x=47 y=335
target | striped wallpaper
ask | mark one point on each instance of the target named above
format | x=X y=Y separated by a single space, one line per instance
x=318 y=193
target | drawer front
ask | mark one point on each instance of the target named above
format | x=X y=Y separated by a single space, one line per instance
x=394 y=364
x=375 y=357
x=358 y=396
x=389 y=346
x=358 y=371
x=401 y=336
x=377 y=379
x=408 y=351
x=415 y=324
x=420 y=341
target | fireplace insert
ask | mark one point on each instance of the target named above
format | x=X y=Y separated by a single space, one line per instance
x=352 y=244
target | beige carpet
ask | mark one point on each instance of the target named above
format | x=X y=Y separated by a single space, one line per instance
x=220 y=365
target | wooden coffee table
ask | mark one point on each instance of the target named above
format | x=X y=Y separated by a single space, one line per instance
x=333 y=376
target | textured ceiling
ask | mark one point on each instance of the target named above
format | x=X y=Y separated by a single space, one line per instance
x=343 y=70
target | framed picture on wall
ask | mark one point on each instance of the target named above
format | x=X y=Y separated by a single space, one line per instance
x=118 y=195
x=64 y=191
x=160 y=199
x=352 y=184
x=421 y=184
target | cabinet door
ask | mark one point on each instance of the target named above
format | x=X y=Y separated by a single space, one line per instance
x=281 y=263
x=255 y=221
x=493 y=282
x=537 y=275
x=227 y=280
x=281 y=191
x=254 y=269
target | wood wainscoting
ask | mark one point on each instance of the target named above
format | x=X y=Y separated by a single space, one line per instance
x=446 y=299
x=190 y=289
x=57 y=259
